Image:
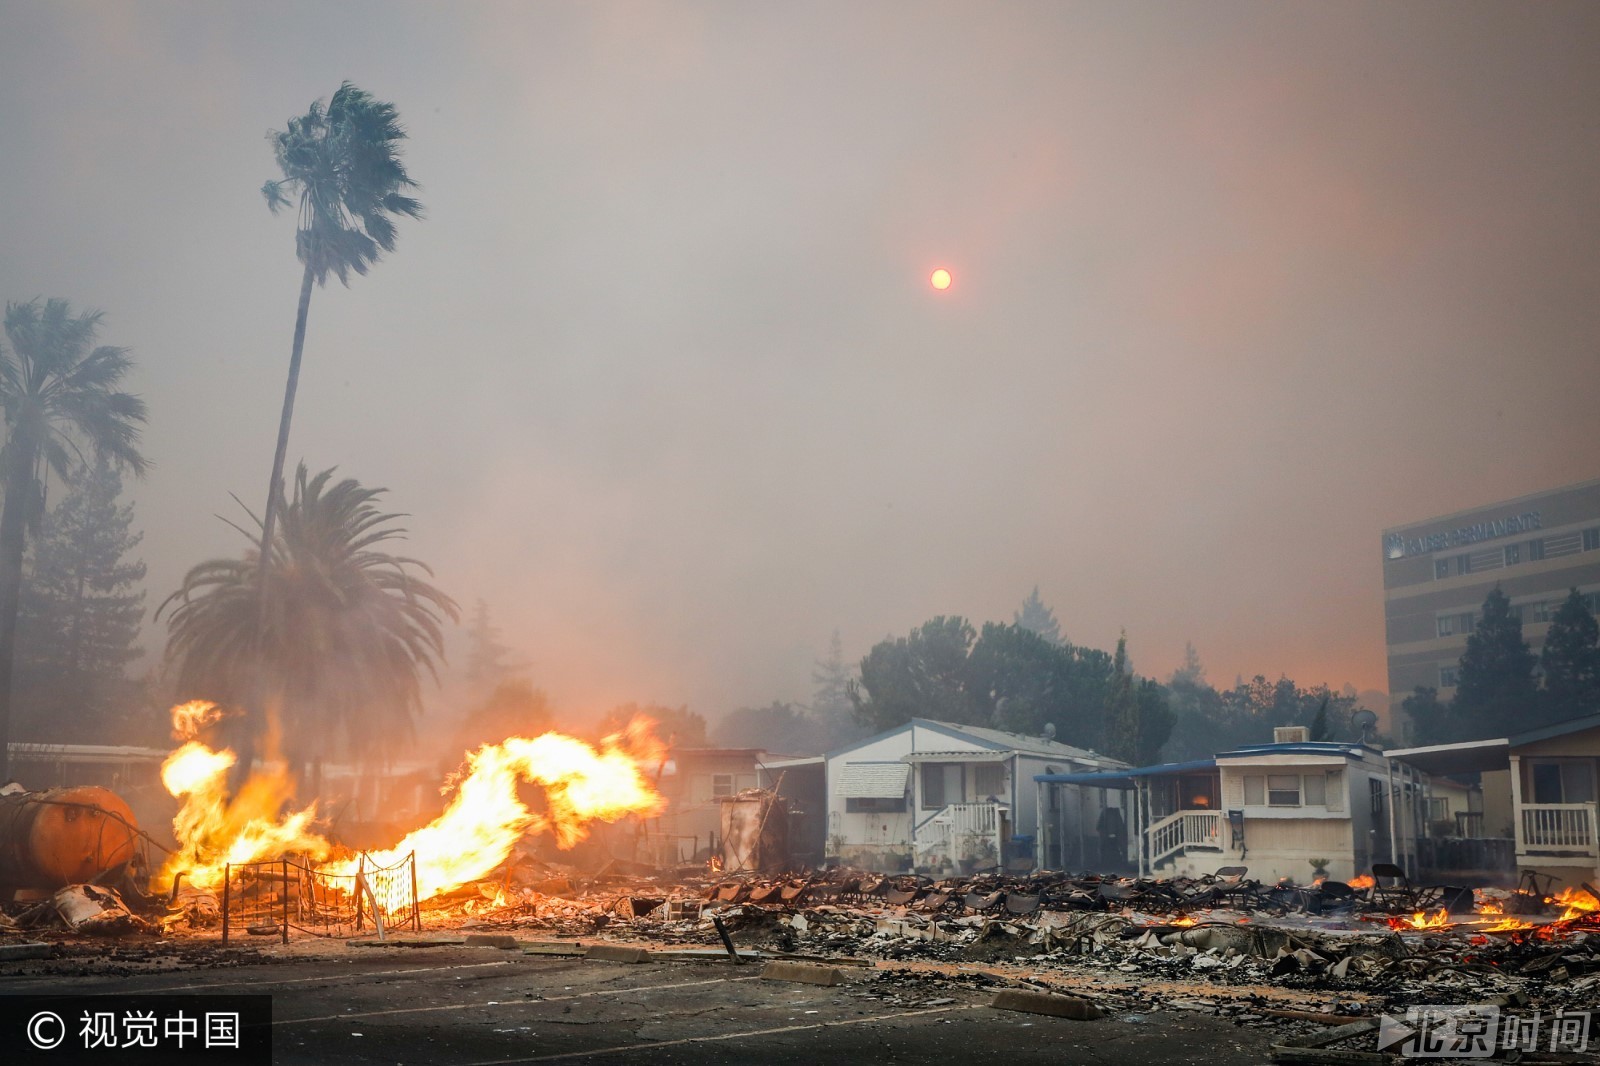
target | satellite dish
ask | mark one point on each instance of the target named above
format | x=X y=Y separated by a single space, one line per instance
x=1049 y=730
x=1364 y=720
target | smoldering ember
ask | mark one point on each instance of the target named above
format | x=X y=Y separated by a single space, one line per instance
x=558 y=865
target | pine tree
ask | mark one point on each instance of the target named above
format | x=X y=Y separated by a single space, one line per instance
x=80 y=614
x=1495 y=691
x=1571 y=661
x=830 y=696
x=1039 y=618
x=1191 y=672
x=489 y=660
x=1122 y=708
x=1430 y=720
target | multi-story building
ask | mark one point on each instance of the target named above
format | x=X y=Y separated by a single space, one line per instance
x=1437 y=573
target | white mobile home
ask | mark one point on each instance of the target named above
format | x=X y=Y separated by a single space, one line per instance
x=936 y=795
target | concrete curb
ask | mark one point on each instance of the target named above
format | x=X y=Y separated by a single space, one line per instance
x=1079 y=1010
x=491 y=940
x=407 y=942
x=803 y=972
x=616 y=953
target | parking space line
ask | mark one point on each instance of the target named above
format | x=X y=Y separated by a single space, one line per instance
x=345 y=977
x=652 y=1045
x=508 y=1002
x=337 y=977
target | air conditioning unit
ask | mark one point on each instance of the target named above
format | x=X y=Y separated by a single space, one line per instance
x=1291 y=734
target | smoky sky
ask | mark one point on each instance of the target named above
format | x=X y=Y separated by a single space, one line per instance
x=661 y=379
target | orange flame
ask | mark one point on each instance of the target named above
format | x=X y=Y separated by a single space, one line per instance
x=484 y=820
x=214 y=829
x=1421 y=920
x=1363 y=881
x=1182 y=921
x=1577 y=903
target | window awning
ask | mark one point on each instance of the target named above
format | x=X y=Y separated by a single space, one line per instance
x=1125 y=778
x=873 y=780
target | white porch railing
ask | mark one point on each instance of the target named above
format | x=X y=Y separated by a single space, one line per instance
x=1558 y=828
x=1182 y=831
x=960 y=831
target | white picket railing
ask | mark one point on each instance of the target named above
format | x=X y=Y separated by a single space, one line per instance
x=961 y=831
x=1566 y=828
x=1184 y=830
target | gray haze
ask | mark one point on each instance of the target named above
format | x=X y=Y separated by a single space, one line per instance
x=662 y=379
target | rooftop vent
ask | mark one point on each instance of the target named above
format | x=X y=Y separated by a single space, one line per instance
x=1291 y=734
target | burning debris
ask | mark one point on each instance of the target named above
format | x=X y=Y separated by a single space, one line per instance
x=482 y=822
x=1267 y=954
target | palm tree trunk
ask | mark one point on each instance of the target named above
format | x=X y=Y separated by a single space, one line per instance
x=275 y=487
x=256 y=713
x=13 y=539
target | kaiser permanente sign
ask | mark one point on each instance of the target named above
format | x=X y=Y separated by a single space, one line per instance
x=1398 y=545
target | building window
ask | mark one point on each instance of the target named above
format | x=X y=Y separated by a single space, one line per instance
x=1513 y=554
x=988 y=780
x=1448 y=675
x=1463 y=564
x=1514 y=610
x=721 y=785
x=1441 y=568
x=1447 y=625
x=1283 y=790
x=1466 y=622
x=1535 y=550
x=1316 y=788
x=1375 y=791
x=1255 y=790
x=867 y=805
x=942 y=784
x=1591 y=539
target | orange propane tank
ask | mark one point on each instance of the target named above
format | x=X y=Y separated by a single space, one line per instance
x=63 y=836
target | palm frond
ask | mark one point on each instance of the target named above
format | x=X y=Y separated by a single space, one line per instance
x=343 y=633
x=344 y=163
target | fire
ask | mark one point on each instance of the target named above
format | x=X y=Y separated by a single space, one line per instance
x=1363 y=881
x=1182 y=921
x=1507 y=925
x=1577 y=903
x=483 y=821
x=214 y=829
x=1422 y=920
x=486 y=818
x=1491 y=906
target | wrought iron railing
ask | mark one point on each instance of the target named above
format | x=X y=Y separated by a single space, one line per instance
x=270 y=898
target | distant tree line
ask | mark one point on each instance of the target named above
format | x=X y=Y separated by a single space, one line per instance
x=1502 y=687
x=1025 y=676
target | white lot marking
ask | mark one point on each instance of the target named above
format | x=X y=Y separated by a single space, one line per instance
x=338 y=978
x=507 y=1003
x=596 y=1052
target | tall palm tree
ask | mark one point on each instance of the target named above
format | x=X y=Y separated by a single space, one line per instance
x=341 y=168
x=340 y=640
x=59 y=392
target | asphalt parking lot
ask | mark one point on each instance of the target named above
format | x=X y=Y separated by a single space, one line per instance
x=457 y=1006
